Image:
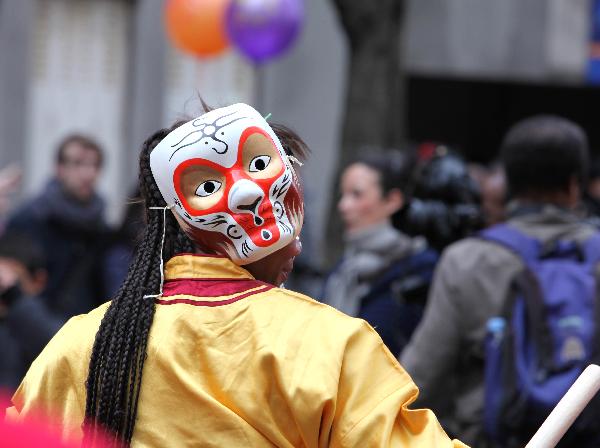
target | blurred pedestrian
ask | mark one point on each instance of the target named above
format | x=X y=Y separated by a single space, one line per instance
x=384 y=275
x=26 y=324
x=67 y=220
x=544 y=159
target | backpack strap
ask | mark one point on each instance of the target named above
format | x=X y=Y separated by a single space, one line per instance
x=526 y=247
x=529 y=250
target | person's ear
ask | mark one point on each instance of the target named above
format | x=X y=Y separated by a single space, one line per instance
x=574 y=191
x=394 y=201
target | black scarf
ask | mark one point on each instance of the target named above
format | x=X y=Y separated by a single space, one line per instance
x=69 y=213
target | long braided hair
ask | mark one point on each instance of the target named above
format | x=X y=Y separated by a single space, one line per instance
x=119 y=351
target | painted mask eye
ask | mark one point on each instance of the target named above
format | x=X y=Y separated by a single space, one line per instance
x=207 y=188
x=259 y=163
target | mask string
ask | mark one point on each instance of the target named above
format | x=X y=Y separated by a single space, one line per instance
x=293 y=159
x=162 y=246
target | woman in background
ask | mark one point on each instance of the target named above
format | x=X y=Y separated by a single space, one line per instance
x=384 y=274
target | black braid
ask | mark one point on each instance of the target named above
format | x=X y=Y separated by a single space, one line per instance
x=119 y=351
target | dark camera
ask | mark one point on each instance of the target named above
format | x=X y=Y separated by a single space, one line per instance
x=445 y=206
x=441 y=224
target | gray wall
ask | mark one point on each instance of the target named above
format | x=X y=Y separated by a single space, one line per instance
x=146 y=85
x=532 y=40
x=15 y=19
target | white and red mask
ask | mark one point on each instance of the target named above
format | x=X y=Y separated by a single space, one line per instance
x=231 y=182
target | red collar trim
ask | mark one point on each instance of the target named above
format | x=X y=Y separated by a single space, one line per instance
x=215 y=302
x=202 y=287
x=180 y=254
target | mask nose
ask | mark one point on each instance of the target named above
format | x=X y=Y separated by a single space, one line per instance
x=245 y=197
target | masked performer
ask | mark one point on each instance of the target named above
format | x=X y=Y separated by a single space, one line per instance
x=212 y=352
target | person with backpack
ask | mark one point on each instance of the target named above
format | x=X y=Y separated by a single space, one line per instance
x=510 y=319
x=210 y=350
x=384 y=274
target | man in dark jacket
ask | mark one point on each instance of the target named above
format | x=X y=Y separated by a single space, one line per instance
x=545 y=160
x=67 y=220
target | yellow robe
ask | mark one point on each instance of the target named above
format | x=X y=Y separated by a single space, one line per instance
x=234 y=362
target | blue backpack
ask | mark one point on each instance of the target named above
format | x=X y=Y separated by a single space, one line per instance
x=545 y=335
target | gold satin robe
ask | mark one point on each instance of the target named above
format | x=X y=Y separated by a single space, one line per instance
x=234 y=362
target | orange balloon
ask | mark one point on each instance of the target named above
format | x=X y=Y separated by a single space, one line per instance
x=197 y=26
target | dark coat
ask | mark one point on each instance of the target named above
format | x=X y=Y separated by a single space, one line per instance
x=25 y=329
x=72 y=236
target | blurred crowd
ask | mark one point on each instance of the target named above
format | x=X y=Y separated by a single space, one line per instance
x=415 y=263
x=58 y=256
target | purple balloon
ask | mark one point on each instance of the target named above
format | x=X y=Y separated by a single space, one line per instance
x=264 y=29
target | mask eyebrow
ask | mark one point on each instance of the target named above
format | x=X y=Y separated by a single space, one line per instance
x=218 y=126
x=221 y=118
x=187 y=144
